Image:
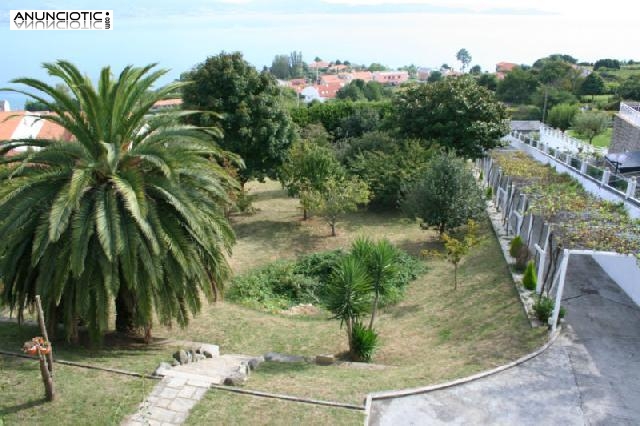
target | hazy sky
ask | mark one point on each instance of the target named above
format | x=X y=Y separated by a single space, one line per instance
x=179 y=34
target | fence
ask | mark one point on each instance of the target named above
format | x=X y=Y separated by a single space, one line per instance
x=558 y=140
x=596 y=180
x=548 y=253
x=631 y=112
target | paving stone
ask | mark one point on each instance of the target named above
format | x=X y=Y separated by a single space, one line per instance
x=182 y=405
x=163 y=402
x=169 y=393
x=201 y=383
x=199 y=393
x=187 y=392
x=176 y=382
x=161 y=415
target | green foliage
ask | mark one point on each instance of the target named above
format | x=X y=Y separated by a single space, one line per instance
x=544 y=309
x=130 y=212
x=319 y=265
x=456 y=112
x=307 y=169
x=457 y=248
x=340 y=195
x=280 y=67
x=487 y=80
x=434 y=76
x=630 y=88
x=530 y=278
x=365 y=342
x=517 y=86
x=349 y=292
x=593 y=84
x=561 y=116
x=515 y=245
x=464 y=57
x=445 y=195
x=276 y=286
x=489 y=193
x=246 y=106
x=358 y=90
x=388 y=169
x=590 y=124
x=606 y=63
x=35 y=106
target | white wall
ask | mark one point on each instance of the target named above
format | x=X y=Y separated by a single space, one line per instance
x=624 y=270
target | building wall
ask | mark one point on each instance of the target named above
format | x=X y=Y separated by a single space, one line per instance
x=626 y=136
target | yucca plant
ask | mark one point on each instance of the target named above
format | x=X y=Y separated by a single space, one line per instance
x=129 y=213
x=348 y=294
x=365 y=342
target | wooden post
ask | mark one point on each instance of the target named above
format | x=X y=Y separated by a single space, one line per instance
x=43 y=330
x=46 y=361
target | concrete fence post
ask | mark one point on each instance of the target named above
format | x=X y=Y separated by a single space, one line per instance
x=605 y=177
x=631 y=188
x=583 y=167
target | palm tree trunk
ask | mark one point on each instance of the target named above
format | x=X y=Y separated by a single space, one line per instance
x=125 y=310
x=374 y=310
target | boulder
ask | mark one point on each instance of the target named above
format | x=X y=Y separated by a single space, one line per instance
x=209 y=350
x=199 y=357
x=181 y=356
x=325 y=359
x=255 y=362
x=277 y=357
x=162 y=369
x=236 y=379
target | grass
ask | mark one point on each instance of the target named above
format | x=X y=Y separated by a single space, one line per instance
x=246 y=409
x=435 y=334
x=601 y=141
x=83 y=397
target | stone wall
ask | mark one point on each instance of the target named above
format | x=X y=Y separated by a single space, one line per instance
x=626 y=136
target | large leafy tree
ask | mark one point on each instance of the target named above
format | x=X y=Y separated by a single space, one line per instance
x=464 y=57
x=255 y=124
x=129 y=212
x=446 y=194
x=456 y=112
x=590 y=124
x=517 y=86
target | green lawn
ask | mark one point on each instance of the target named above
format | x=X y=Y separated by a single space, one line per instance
x=601 y=141
x=435 y=334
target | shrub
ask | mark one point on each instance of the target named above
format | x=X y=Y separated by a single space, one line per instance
x=515 y=245
x=544 y=309
x=364 y=342
x=530 y=279
x=319 y=265
x=489 y=193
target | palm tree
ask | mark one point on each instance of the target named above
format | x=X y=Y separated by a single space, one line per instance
x=129 y=213
x=348 y=294
x=379 y=258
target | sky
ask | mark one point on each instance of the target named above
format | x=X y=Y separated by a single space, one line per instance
x=180 y=34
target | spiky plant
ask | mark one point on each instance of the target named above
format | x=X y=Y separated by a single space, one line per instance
x=129 y=213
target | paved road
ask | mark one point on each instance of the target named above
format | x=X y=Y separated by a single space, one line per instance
x=590 y=375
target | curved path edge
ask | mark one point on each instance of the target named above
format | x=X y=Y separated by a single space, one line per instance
x=425 y=389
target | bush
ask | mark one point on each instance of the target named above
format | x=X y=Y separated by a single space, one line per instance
x=489 y=193
x=515 y=246
x=280 y=285
x=530 y=279
x=364 y=342
x=544 y=309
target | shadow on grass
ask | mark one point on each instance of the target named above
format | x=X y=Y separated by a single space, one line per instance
x=401 y=311
x=24 y=406
x=282 y=368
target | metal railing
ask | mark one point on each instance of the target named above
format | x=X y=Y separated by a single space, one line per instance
x=631 y=112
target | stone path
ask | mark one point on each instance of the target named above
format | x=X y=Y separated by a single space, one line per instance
x=183 y=386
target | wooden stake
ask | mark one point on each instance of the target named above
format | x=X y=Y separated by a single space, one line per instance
x=43 y=330
x=46 y=377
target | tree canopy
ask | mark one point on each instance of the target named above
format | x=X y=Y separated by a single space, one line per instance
x=457 y=113
x=464 y=57
x=246 y=105
x=130 y=212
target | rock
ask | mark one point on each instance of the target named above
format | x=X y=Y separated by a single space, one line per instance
x=162 y=369
x=199 y=357
x=325 y=359
x=236 y=379
x=181 y=356
x=175 y=362
x=255 y=362
x=209 y=350
x=189 y=357
x=276 y=357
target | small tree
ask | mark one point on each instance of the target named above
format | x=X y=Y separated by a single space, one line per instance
x=340 y=195
x=445 y=195
x=530 y=280
x=456 y=248
x=561 y=116
x=349 y=294
x=590 y=124
x=379 y=259
x=464 y=57
x=307 y=169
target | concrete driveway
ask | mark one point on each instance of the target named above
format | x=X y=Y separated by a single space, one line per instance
x=589 y=376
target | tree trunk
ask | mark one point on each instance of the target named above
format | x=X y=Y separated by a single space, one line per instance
x=374 y=310
x=305 y=214
x=350 y=336
x=333 y=229
x=455 y=276
x=441 y=228
x=125 y=310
